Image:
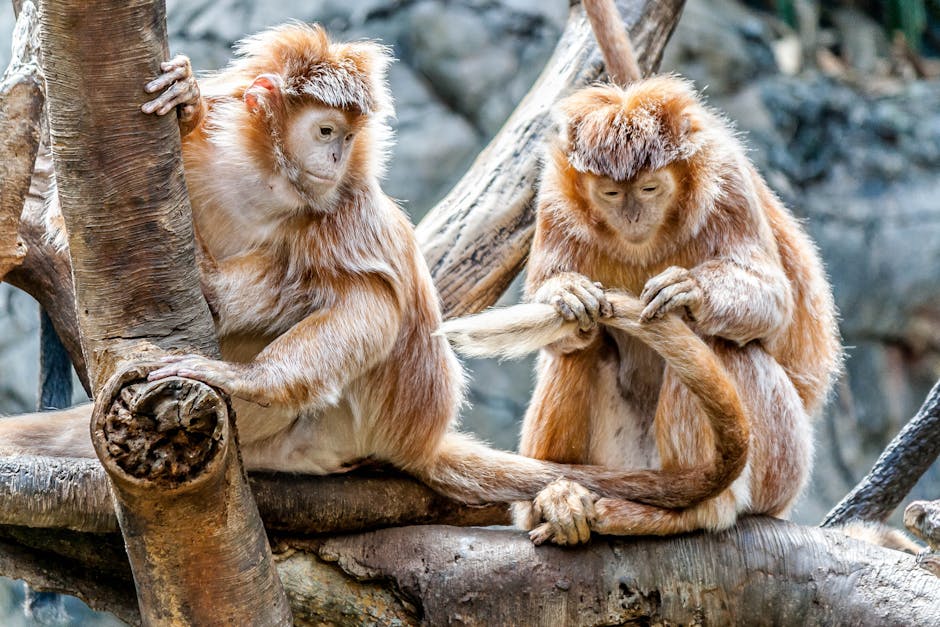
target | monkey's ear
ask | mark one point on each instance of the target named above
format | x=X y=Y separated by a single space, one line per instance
x=264 y=93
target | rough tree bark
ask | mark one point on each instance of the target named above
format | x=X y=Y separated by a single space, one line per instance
x=762 y=572
x=21 y=102
x=196 y=544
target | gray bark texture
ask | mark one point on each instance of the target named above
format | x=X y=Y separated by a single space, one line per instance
x=21 y=102
x=762 y=572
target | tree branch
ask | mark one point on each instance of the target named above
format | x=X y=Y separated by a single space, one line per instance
x=50 y=492
x=760 y=572
x=21 y=102
x=902 y=463
x=477 y=238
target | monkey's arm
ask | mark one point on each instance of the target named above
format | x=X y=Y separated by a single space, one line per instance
x=742 y=296
x=314 y=360
x=181 y=93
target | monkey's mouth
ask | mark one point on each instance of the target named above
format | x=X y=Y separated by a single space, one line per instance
x=319 y=178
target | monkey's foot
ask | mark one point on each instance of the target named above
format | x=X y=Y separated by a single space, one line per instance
x=567 y=511
x=238 y=380
x=674 y=288
x=181 y=89
x=576 y=298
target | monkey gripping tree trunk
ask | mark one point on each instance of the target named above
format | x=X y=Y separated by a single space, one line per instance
x=169 y=447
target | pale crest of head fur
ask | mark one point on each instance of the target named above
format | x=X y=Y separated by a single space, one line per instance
x=348 y=76
x=617 y=132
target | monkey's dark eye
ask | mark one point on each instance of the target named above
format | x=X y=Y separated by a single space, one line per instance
x=612 y=194
x=649 y=188
x=325 y=131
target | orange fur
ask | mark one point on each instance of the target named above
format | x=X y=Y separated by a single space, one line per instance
x=766 y=309
x=324 y=307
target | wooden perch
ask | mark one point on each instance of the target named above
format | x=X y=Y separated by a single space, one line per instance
x=477 y=238
x=906 y=458
x=50 y=492
x=21 y=104
x=168 y=447
x=922 y=518
x=762 y=572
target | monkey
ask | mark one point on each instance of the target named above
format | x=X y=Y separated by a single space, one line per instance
x=325 y=309
x=645 y=190
x=880 y=534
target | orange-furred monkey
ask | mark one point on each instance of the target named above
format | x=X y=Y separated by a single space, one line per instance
x=647 y=191
x=325 y=308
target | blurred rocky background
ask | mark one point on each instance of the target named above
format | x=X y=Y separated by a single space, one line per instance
x=839 y=101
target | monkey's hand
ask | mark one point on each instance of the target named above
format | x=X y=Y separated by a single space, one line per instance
x=180 y=92
x=238 y=380
x=567 y=511
x=576 y=298
x=674 y=288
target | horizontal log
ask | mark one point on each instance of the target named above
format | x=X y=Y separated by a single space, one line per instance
x=72 y=493
x=762 y=572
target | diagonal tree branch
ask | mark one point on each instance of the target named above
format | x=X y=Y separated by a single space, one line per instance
x=906 y=458
x=21 y=102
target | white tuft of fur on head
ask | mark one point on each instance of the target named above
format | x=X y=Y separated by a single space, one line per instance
x=509 y=332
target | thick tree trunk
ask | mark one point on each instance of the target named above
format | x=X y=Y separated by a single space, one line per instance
x=195 y=541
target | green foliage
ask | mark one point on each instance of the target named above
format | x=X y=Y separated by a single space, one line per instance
x=786 y=10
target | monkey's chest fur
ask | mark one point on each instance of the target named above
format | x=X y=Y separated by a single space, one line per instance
x=629 y=376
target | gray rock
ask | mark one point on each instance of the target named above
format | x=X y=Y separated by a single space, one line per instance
x=433 y=147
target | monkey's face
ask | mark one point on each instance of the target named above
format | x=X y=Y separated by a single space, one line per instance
x=635 y=208
x=318 y=142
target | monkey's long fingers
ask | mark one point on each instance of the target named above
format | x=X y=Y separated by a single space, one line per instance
x=577 y=528
x=567 y=305
x=607 y=310
x=591 y=299
x=178 y=94
x=670 y=298
x=669 y=276
x=174 y=70
x=541 y=534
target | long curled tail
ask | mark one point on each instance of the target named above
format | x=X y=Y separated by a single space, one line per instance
x=521 y=329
